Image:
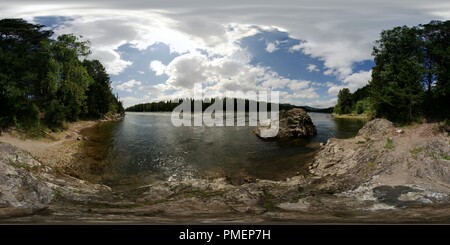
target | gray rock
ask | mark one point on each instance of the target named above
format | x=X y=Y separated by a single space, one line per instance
x=26 y=183
x=294 y=123
x=377 y=128
x=301 y=205
x=19 y=188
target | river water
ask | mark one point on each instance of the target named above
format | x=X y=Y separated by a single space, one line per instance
x=144 y=147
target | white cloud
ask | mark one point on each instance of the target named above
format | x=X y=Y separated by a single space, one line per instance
x=312 y=67
x=352 y=82
x=323 y=103
x=127 y=86
x=158 y=67
x=111 y=60
x=338 y=32
x=229 y=74
x=338 y=58
x=306 y=93
x=297 y=85
x=296 y=48
x=358 y=80
x=186 y=70
x=334 y=90
x=272 y=47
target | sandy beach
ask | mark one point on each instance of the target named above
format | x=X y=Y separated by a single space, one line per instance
x=57 y=149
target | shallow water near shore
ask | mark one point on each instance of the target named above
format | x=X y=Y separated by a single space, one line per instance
x=146 y=147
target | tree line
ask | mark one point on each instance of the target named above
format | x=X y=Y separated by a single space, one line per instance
x=46 y=81
x=411 y=78
x=357 y=103
x=166 y=106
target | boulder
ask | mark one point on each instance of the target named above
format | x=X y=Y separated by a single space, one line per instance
x=377 y=128
x=18 y=186
x=294 y=123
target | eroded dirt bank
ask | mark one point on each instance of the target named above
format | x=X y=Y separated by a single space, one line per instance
x=382 y=175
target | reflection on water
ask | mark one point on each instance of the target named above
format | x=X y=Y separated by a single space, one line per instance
x=147 y=146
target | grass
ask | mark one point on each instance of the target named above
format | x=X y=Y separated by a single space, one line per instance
x=371 y=165
x=436 y=156
x=19 y=164
x=32 y=132
x=351 y=116
x=389 y=144
x=416 y=151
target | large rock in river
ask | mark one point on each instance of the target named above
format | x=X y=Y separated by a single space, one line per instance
x=294 y=123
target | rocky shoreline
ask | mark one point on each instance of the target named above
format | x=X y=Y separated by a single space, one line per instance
x=385 y=174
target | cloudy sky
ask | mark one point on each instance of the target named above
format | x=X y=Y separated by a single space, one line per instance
x=157 y=49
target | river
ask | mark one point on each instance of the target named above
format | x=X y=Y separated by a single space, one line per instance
x=145 y=147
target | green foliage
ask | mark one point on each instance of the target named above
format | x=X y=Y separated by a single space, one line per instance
x=412 y=73
x=19 y=164
x=164 y=106
x=356 y=103
x=20 y=70
x=396 y=80
x=416 y=151
x=344 y=105
x=389 y=144
x=364 y=106
x=43 y=80
x=100 y=100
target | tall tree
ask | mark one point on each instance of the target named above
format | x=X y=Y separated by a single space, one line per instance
x=436 y=47
x=43 y=80
x=99 y=96
x=345 y=101
x=75 y=78
x=21 y=70
x=396 y=86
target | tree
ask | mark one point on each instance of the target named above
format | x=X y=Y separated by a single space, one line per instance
x=396 y=86
x=21 y=69
x=43 y=79
x=75 y=79
x=99 y=96
x=344 y=105
x=436 y=49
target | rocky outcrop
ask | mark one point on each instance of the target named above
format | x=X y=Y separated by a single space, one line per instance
x=26 y=184
x=395 y=166
x=294 y=123
x=377 y=128
x=18 y=186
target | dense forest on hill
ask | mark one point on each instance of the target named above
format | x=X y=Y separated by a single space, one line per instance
x=170 y=105
x=411 y=78
x=46 y=81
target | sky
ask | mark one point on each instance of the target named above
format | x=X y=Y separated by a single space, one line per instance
x=158 y=49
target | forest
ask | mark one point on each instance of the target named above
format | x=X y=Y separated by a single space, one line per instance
x=411 y=78
x=46 y=81
x=167 y=106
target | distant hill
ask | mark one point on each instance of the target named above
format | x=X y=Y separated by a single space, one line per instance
x=163 y=106
x=313 y=109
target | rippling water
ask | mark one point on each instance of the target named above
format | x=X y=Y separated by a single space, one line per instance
x=146 y=146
